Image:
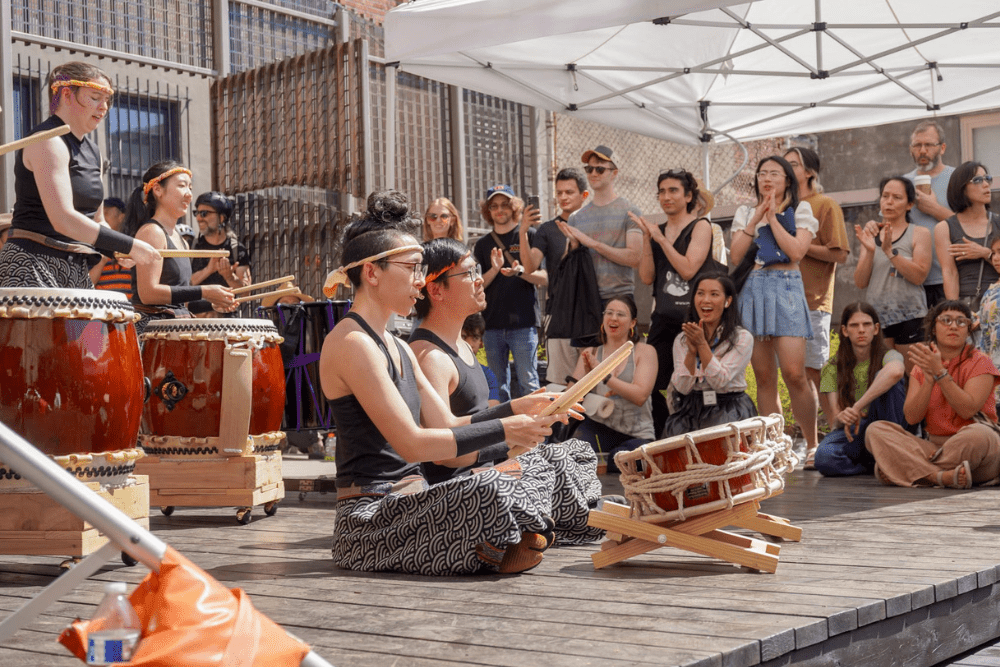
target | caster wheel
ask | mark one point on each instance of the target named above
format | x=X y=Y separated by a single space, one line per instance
x=243 y=516
x=270 y=509
x=128 y=560
x=167 y=511
x=302 y=496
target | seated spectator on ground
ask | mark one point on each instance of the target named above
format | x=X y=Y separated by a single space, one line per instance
x=864 y=383
x=108 y=273
x=630 y=424
x=472 y=333
x=951 y=391
x=711 y=355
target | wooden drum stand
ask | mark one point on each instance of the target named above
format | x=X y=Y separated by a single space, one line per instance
x=685 y=489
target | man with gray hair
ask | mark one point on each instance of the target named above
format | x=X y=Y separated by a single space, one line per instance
x=927 y=147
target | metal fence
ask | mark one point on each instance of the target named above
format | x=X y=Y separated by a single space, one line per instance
x=296 y=122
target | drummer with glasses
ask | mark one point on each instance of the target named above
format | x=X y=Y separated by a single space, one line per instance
x=58 y=214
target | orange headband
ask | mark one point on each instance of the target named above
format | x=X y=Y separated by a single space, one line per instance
x=165 y=175
x=56 y=85
x=437 y=274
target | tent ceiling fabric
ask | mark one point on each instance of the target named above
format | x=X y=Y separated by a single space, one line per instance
x=682 y=70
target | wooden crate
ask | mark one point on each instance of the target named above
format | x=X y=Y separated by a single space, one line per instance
x=238 y=481
x=33 y=524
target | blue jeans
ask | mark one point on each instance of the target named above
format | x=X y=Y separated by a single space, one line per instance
x=605 y=439
x=836 y=456
x=523 y=344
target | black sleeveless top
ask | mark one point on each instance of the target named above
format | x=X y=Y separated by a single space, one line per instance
x=363 y=454
x=84 y=175
x=176 y=271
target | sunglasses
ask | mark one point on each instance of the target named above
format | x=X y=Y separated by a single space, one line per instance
x=978 y=180
x=203 y=214
x=673 y=173
x=435 y=216
x=590 y=169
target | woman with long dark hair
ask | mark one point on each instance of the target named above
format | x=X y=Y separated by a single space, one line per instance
x=767 y=243
x=863 y=384
x=894 y=261
x=162 y=289
x=951 y=391
x=711 y=356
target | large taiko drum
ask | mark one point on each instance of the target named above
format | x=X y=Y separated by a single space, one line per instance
x=185 y=361
x=71 y=381
x=707 y=470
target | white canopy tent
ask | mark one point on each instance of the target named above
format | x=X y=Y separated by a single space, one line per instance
x=692 y=71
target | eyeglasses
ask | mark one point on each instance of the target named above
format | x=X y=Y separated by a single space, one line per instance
x=475 y=273
x=203 y=214
x=770 y=174
x=419 y=268
x=978 y=180
x=959 y=322
x=617 y=313
x=435 y=216
x=590 y=169
x=919 y=147
x=496 y=206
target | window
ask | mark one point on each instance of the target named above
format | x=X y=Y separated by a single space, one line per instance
x=26 y=111
x=142 y=131
x=981 y=141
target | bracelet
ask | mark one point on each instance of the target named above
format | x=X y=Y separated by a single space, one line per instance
x=496 y=412
x=943 y=375
x=744 y=230
x=607 y=379
x=473 y=437
x=185 y=293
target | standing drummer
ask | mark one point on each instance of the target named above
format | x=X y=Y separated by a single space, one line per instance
x=58 y=218
x=163 y=289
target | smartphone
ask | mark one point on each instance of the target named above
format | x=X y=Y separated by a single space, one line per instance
x=533 y=201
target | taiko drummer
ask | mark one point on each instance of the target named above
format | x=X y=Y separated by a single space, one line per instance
x=58 y=216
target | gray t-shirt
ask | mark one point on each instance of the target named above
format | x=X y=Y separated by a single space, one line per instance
x=939 y=185
x=609 y=224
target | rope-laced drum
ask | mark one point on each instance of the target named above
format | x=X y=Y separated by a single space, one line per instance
x=707 y=470
x=72 y=380
x=184 y=361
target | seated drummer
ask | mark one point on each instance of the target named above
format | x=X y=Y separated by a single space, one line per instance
x=160 y=289
x=453 y=290
x=388 y=517
x=60 y=195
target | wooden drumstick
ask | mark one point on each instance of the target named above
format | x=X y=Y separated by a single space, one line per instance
x=278 y=293
x=266 y=283
x=575 y=393
x=34 y=138
x=181 y=252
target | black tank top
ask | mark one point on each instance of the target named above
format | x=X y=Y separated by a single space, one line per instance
x=471 y=395
x=176 y=271
x=84 y=175
x=363 y=454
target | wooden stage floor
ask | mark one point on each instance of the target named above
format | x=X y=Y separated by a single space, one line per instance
x=883 y=576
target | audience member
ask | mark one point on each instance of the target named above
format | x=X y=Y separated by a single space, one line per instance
x=108 y=273
x=768 y=242
x=894 y=260
x=711 y=356
x=989 y=314
x=549 y=245
x=963 y=240
x=672 y=255
x=863 y=384
x=927 y=147
x=629 y=424
x=951 y=390
x=828 y=248
x=511 y=305
x=441 y=221
x=472 y=333
x=213 y=211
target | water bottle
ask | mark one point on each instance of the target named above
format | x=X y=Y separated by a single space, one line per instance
x=115 y=629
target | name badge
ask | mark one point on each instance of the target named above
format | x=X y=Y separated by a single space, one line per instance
x=708 y=397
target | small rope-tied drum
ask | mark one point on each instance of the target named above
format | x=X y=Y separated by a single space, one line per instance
x=71 y=381
x=707 y=470
x=184 y=362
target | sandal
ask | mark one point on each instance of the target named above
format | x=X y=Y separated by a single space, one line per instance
x=880 y=478
x=964 y=465
x=810 y=463
x=526 y=554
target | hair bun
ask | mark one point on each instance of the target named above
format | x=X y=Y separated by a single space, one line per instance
x=390 y=206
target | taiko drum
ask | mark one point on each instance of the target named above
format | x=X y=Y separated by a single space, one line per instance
x=183 y=360
x=71 y=370
x=717 y=452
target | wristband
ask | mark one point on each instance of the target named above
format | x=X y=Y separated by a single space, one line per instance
x=473 y=437
x=185 y=293
x=607 y=379
x=570 y=379
x=492 y=453
x=941 y=376
x=111 y=241
x=495 y=412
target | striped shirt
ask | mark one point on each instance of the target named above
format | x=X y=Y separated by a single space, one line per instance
x=115 y=278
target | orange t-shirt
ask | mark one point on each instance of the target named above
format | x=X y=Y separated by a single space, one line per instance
x=941 y=418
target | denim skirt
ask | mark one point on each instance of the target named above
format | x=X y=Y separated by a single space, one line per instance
x=773 y=303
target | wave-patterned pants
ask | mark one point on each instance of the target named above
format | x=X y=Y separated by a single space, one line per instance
x=437 y=531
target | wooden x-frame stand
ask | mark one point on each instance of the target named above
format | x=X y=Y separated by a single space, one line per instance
x=701 y=534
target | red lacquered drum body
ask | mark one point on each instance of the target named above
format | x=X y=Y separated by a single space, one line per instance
x=713 y=452
x=71 y=378
x=183 y=360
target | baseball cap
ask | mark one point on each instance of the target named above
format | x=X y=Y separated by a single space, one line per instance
x=505 y=190
x=602 y=152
